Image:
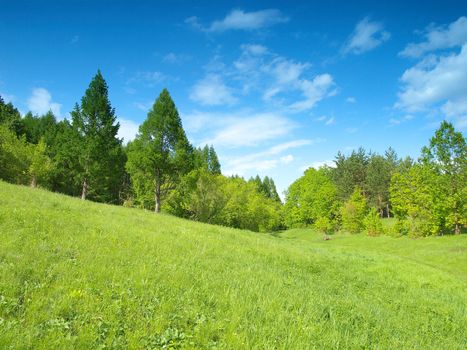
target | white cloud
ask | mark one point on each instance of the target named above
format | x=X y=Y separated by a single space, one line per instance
x=351 y=99
x=41 y=102
x=287 y=159
x=366 y=36
x=241 y=20
x=128 y=129
x=212 y=91
x=75 y=39
x=330 y=121
x=254 y=49
x=397 y=121
x=442 y=83
x=314 y=91
x=441 y=37
x=265 y=160
x=437 y=83
x=251 y=130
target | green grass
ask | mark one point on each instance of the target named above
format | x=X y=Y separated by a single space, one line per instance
x=81 y=275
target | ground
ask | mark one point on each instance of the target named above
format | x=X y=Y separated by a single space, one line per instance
x=77 y=274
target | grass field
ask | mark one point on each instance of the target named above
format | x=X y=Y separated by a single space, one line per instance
x=80 y=275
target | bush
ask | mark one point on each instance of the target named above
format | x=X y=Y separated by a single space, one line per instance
x=372 y=223
x=353 y=212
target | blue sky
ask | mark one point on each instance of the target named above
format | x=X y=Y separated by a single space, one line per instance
x=276 y=87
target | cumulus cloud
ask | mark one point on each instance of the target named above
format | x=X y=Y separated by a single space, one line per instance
x=41 y=102
x=128 y=129
x=212 y=91
x=314 y=91
x=439 y=37
x=437 y=82
x=366 y=36
x=241 y=20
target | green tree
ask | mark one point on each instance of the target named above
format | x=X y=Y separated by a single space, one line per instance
x=100 y=152
x=417 y=195
x=14 y=156
x=350 y=172
x=40 y=167
x=214 y=165
x=447 y=155
x=354 y=211
x=311 y=197
x=160 y=154
x=10 y=117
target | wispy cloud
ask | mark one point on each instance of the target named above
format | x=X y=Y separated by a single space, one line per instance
x=148 y=78
x=366 y=36
x=439 y=37
x=211 y=91
x=351 y=99
x=241 y=20
x=267 y=159
x=175 y=58
x=251 y=130
x=40 y=102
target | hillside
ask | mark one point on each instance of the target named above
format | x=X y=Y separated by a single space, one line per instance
x=77 y=274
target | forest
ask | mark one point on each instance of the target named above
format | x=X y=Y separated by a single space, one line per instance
x=160 y=170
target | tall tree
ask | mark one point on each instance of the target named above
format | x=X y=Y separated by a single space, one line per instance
x=214 y=165
x=351 y=172
x=10 y=117
x=100 y=151
x=160 y=153
x=447 y=154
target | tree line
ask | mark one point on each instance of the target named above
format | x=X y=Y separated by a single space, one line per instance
x=83 y=157
x=426 y=196
x=161 y=170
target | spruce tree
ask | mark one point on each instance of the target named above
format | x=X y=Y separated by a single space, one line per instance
x=160 y=154
x=99 y=150
x=214 y=165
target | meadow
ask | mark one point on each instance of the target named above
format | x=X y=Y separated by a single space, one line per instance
x=81 y=275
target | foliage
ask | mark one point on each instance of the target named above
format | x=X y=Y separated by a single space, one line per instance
x=310 y=198
x=373 y=224
x=41 y=165
x=99 y=151
x=160 y=154
x=447 y=155
x=14 y=156
x=211 y=198
x=354 y=211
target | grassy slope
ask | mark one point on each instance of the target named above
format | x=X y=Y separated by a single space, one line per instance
x=86 y=275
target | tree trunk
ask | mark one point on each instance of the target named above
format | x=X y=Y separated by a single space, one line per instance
x=34 y=181
x=84 y=190
x=457 y=229
x=387 y=211
x=157 y=198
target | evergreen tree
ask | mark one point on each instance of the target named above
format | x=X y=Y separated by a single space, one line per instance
x=10 y=117
x=215 y=166
x=160 y=154
x=350 y=172
x=100 y=152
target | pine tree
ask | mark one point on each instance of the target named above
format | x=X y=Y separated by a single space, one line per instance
x=214 y=165
x=160 y=154
x=100 y=151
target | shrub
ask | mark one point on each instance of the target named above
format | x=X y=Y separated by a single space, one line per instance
x=372 y=223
